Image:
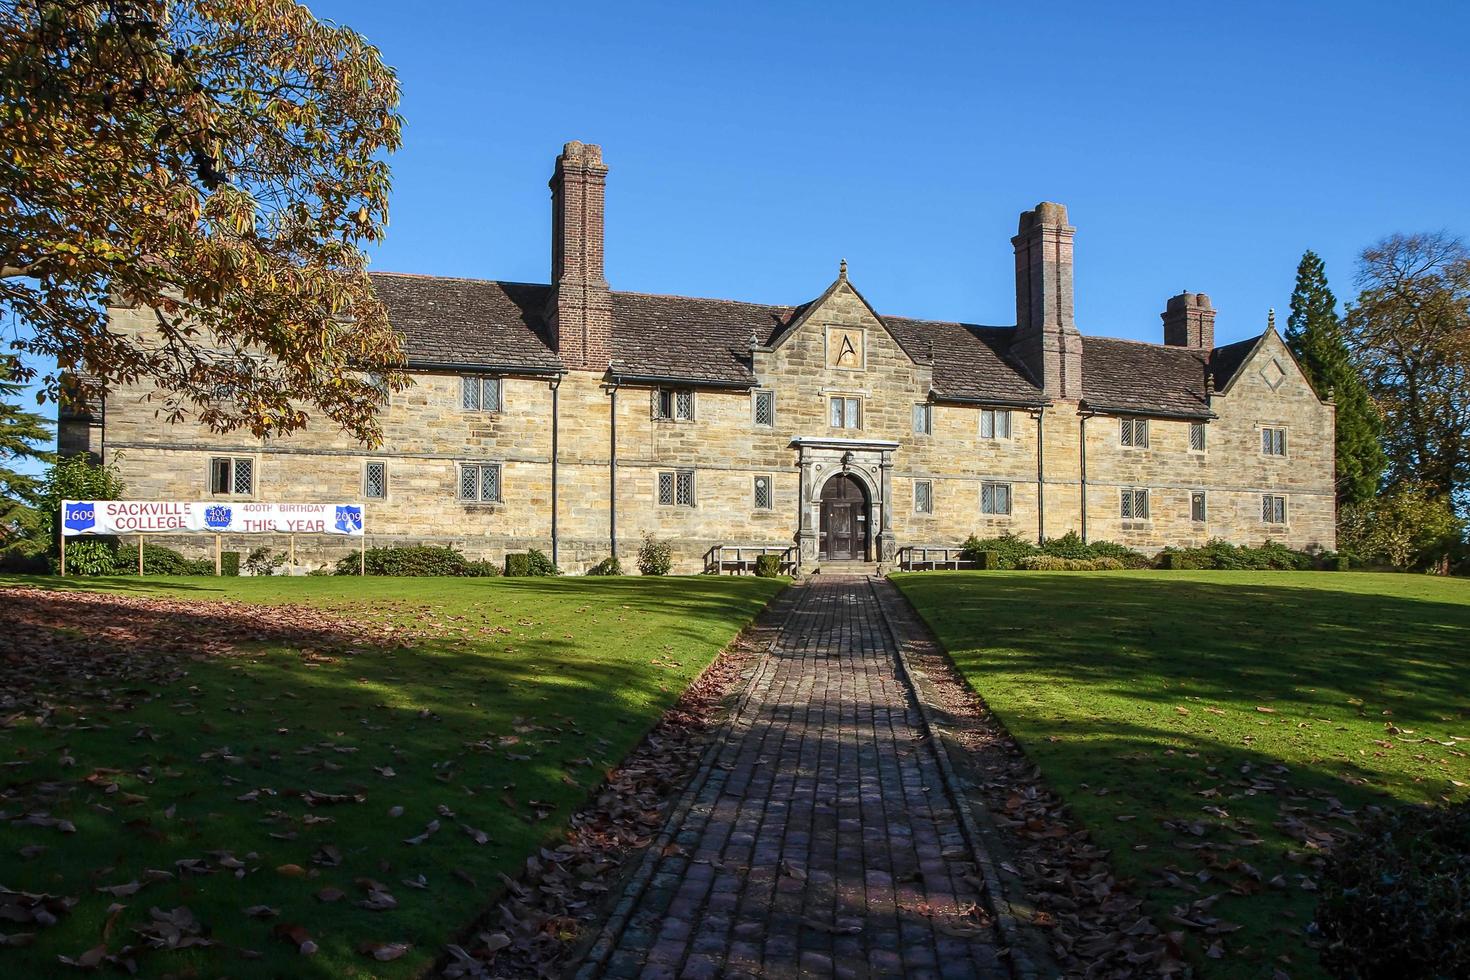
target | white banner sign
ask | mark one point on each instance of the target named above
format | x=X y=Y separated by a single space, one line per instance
x=213 y=517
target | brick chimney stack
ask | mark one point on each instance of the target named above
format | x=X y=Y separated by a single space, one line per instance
x=580 y=313
x=1047 y=341
x=1189 y=321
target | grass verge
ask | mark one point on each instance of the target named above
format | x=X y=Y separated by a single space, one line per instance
x=1195 y=719
x=500 y=708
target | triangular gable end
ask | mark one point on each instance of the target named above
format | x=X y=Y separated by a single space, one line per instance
x=809 y=309
x=1256 y=348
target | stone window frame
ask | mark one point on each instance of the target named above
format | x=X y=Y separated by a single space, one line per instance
x=1201 y=444
x=923 y=418
x=1129 y=499
x=480 y=384
x=756 y=397
x=997 y=488
x=232 y=480
x=997 y=416
x=1129 y=430
x=674 y=405
x=1274 y=510
x=1274 y=442
x=367 y=467
x=480 y=466
x=681 y=486
x=1199 y=514
x=755 y=492
x=845 y=400
x=924 y=501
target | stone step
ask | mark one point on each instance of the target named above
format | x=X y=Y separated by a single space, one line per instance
x=847 y=568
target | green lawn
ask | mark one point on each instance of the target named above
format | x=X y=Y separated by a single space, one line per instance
x=1144 y=697
x=505 y=706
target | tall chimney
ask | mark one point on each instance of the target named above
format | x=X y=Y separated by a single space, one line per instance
x=1189 y=321
x=580 y=312
x=1047 y=341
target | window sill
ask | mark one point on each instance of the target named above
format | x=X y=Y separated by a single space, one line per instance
x=482 y=504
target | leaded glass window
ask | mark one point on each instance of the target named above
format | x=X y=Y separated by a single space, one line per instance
x=923 y=497
x=1197 y=437
x=995 y=498
x=765 y=408
x=846 y=412
x=1273 y=441
x=995 y=423
x=763 y=493
x=480 y=482
x=1273 y=508
x=375 y=481
x=1134 y=432
x=676 y=488
x=1197 y=506
x=1134 y=504
x=480 y=394
x=923 y=419
x=232 y=475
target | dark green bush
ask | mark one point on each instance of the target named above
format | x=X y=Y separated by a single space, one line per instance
x=91 y=556
x=768 y=566
x=1220 y=554
x=24 y=558
x=1009 y=549
x=538 y=564
x=1069 y=545
x=987 y=560
x=1122 y=554
x=159 y=560
x=517 y=565
x=229 y=563
x=1396 y=902
x=414 y=560
x=608 y=566
x=260 y=561
x=655 y=557
x=481 y=569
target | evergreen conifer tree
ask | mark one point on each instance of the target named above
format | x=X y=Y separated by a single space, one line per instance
x=20 y=431
x=1314 y=334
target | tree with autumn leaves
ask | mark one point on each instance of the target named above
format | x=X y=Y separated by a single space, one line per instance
x=220 y=163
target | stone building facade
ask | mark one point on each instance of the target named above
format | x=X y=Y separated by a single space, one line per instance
x=574 y=418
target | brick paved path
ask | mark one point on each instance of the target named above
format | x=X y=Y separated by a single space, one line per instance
x=819 y=839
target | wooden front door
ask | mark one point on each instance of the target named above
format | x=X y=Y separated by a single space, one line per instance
x=844 y=522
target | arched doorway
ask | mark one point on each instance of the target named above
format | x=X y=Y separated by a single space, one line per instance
x=844 y=521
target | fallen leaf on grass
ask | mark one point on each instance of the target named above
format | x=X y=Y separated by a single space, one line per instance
x=383 y=952
x=296 y=936
x=89 y=960
x=330 y=894
x=122 y=891
x=429 y=831
x=262 y=912
x=478 y=836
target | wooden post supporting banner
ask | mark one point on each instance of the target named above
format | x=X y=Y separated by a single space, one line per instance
x=293 y=551
x=362 y=557
x=63 y=556
x=140 y=554
x=217 y=570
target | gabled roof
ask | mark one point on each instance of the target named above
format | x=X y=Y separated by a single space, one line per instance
x=476 y=322
x=971 y=362
x=1228 y=360
x=1132 y=376
x=449 y=322
x=695 y=340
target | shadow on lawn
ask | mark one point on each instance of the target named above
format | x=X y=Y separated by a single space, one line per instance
x=1154 y=640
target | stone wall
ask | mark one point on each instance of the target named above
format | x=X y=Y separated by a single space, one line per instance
x=427 y=435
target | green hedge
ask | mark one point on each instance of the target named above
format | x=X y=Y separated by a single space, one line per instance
x=415 y=560
x=608 y=566
x=1218 y=554
x=768 y=566
x=229 y=563
x=1395 y=903
x=1009 y=550
x=1052 y=563
x=531 y=564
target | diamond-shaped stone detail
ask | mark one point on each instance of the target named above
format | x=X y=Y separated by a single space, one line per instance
x=1273 y=374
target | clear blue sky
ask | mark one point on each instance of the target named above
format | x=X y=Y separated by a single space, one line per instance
x=752 y=145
